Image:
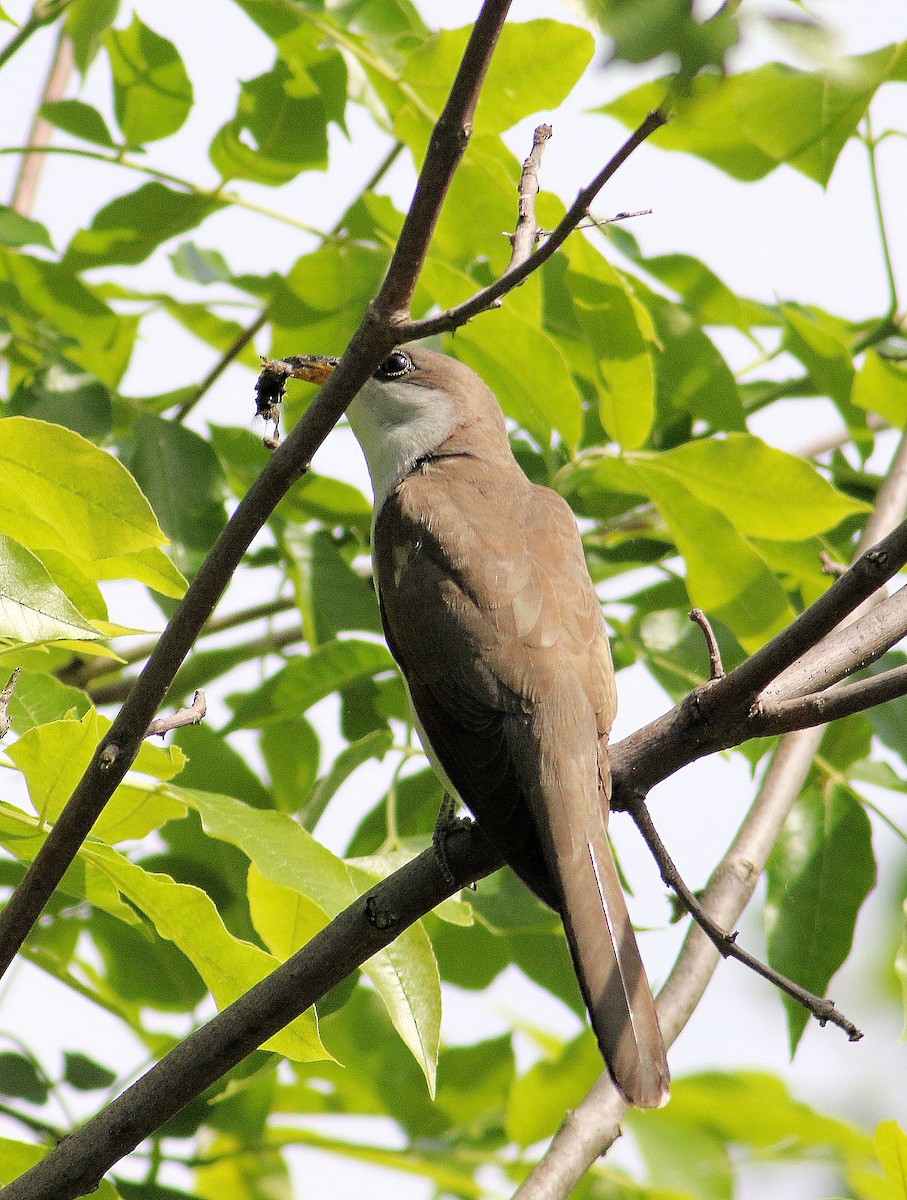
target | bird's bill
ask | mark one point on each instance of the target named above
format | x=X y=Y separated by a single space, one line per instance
x=314 y=368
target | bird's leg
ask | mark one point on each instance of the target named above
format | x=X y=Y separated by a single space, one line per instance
x=445 y=825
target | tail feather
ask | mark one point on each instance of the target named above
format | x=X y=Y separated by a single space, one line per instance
x=611 y=974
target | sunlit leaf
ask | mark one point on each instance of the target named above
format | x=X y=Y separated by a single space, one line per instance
x=152 y=94
x=820 y=872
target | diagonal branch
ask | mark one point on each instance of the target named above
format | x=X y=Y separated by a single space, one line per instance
x=782 y=716
x=372 y=922
x=455 y=317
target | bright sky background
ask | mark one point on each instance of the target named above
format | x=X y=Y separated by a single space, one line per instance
x=782 y=237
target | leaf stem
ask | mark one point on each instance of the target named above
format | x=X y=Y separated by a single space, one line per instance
x=120 y=160
x=871 y=145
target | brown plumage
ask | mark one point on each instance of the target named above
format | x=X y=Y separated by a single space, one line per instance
x=489 y=609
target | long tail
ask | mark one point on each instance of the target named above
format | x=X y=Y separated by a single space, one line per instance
x=611 y=973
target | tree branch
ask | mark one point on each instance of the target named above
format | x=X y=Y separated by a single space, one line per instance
x=525 y=236
x=30 y=169
x=377 y=918
x=726 y=943
x=455 y=317
x=719 y=715
x=447 y=146
x=782 y=716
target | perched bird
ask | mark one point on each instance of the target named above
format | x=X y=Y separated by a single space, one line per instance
x=490 y=612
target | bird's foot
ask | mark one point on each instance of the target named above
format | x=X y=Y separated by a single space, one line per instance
x=447 y=822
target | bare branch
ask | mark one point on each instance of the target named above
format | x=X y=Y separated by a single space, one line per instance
x=5 y=696
x=372 y=922
x=455 y=317
x=31 y=168
x=194 y=714
x=782 y=716
x=726 y=943
x=716 y=666
x=527 y=230
x=841 y=653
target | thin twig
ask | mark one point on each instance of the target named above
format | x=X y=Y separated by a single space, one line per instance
x=5 y=696
x=193 y=714
x=716 y=666
x=446 y=322
x=726 y=943
x=25 y=188
x=524 y=238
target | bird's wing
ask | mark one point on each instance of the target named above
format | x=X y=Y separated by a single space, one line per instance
x=499 y=632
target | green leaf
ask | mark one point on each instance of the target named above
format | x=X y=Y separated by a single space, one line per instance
x=20 y=1077
x=33 y=609
x=49 y=296
x=22 y=836
x=216 y=331
x=79 y=119
x=497 y=346
x=880 y=386
x=16 y=230
x=752 y=1108
x=706 y=296
x=890 y=1144
x=152 y=94
x=610 y=321
x=80 y=404
x=53 y=758
x=692 y=377
x=38 y=699
x=59 y=491
x=820 y=872
x=308 y=679
x=285 y=918
x=373 y=745
x=725 y=575
x=292 y=754
x=275 y=133
x=86 y=22
x=84 y=1074
x=129 y=228
x=764 y=492
x=200 y=266
x=748 y=124
x=404 y=974
x=187 y=917
x=519 y=80
x=553 y=1086
x=181 y=476
x=820 y=342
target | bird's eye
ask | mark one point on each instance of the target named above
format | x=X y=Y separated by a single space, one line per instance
x=394 y=366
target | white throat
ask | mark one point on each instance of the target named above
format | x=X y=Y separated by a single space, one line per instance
x=396 y=424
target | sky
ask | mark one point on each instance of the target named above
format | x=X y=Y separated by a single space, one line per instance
x=783 y=237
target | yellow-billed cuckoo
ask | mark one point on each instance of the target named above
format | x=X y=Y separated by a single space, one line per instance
x=489 y=610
